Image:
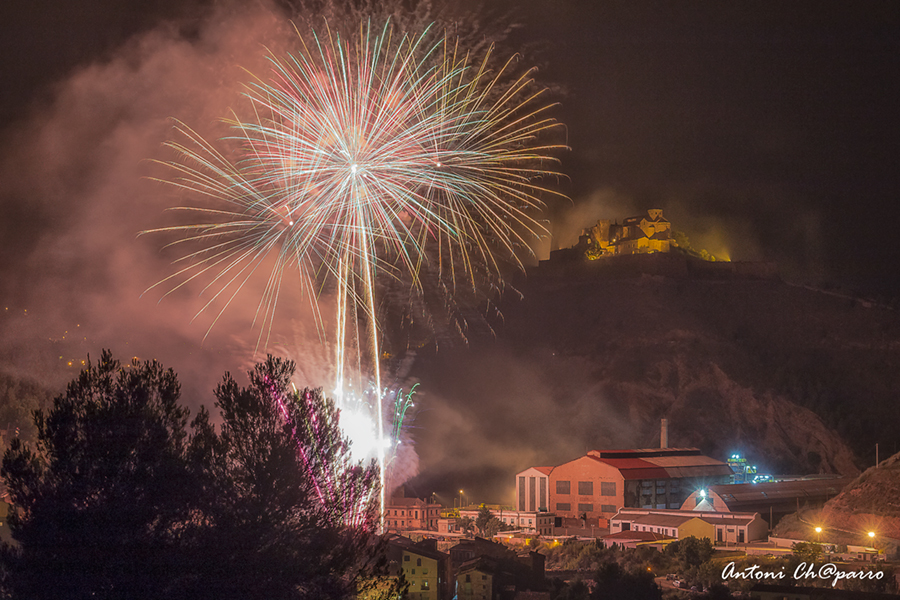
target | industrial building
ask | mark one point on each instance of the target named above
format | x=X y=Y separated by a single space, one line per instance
x=773 y=499
x=594 y=487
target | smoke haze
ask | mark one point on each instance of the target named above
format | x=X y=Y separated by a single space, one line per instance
x=77 y=191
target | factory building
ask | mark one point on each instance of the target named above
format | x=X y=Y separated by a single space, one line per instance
x=594 y=487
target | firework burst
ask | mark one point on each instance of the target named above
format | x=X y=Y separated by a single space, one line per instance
x=368 y=156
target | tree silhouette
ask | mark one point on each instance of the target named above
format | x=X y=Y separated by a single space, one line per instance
x=100 y=502
x=119 y=498
x=290 y=515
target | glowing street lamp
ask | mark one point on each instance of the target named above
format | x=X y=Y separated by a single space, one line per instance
x=818 y=534
x=871 y=534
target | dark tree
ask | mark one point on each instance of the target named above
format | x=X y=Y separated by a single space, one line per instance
x=612 y=583
x=290 y=515
x=807 y=551
x=120 y=499
x=465 y=524
x=100 y=503
x=484 y=517
x=691 y=551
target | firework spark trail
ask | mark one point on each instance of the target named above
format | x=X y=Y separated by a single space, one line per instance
x=282 y=408
x=334 y=477
x=367 y=155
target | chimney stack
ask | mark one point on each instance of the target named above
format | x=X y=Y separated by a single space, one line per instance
x=664 y=433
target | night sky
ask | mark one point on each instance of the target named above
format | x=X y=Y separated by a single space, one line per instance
x=765 y=130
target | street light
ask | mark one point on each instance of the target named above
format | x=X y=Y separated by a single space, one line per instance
x=818 y=534
x=461 y=499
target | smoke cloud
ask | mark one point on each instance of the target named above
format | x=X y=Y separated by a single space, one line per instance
x=78 y=187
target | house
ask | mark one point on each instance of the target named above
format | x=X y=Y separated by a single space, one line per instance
x=721 y=528
x=411 y=514
x=677 y=526
x=425 y=568
x=540 y=523
x=468 y=549
x=594 y=487
x=492 y=578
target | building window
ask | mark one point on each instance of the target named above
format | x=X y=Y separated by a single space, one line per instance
x=468 y=578
x=585 y=508
x=564 y=506
x=418 y=562
x=585 y=488
x=563 y=487
x=607 y=488
x=424 y=584
x=608 y=508
x=406 y=558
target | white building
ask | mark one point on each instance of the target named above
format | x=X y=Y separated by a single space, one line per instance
x=721 y=528
x=532 y=489
x=529 y=521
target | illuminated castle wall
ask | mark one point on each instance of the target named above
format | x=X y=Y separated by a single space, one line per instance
x=636 y=235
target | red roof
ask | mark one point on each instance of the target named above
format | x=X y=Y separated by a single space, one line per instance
x=544 y=470
x=635 y=468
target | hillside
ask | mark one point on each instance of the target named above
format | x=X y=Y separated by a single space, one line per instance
x=871 y=503
x=799 y=380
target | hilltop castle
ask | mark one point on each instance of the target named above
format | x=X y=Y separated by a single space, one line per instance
x=636 y=235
